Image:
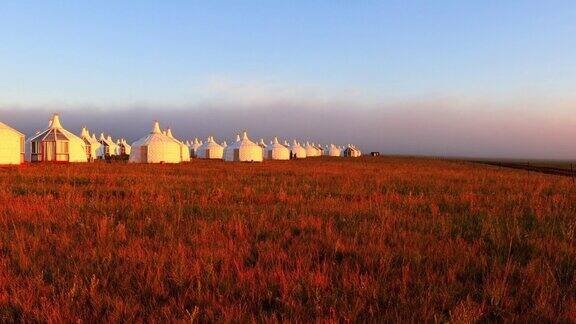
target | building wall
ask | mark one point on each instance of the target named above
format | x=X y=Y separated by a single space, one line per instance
x=279 y=154
x=77 y=150
x=10 y=147
x=164 y=152
x=252 y=153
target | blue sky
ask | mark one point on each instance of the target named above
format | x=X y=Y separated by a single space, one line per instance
x=480 y=56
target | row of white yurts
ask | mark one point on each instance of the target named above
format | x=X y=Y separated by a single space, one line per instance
x=57 y=144
x=103 y=147
x=244 y=149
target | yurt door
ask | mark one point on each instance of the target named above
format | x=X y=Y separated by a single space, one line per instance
x=236 y=155
x=49 y=150
x=144 y=154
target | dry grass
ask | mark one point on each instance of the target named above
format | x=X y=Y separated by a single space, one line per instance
x=327 y=239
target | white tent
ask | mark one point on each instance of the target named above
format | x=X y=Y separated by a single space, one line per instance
x=211 y=149
x=107 y=147
x=310 y=150
x=91 y=143
x=319 y=150
x=155 y=148
x=277 y=151
x=194 y=147
x=334 y=150
x=224 y=144
x=243 y=150
x=352 y=151
x=184 y=149
x=122 y=147
x=12 y=149
x=326 y=150
x=55 y=144
x=297 y=150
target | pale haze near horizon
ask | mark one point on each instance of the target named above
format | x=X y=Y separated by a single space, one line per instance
x=478 y=79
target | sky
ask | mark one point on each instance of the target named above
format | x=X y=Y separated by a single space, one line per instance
x=446 y=78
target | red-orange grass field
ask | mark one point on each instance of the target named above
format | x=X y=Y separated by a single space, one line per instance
x=368 y=239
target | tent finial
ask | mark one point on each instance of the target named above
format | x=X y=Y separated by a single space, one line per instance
x=56 y=121
x=156 y=128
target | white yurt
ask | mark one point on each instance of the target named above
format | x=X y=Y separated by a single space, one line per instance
x=155 y=148
x=91 y=143
x=326 y=150
x=310 y=150
x=114 y=146
x=184 y=149
x=334 y=150
x=194 y=147
x=319 y=150
x=12 y=145
x=107 y=147
x=277 y=151
x=122 y=147
x=351 y=151
x=211 y=150
x=263 y=146
x=243 y=150
x=56 y=144
x=297 y=150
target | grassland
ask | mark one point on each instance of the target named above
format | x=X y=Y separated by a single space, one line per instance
x=369 y=239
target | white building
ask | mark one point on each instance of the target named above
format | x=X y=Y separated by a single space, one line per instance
x=12 y=145
x=352 y=151
x=326 y=150
x=122 y=147
x=311 y=150
x=107 y=147
x=263 y=146
x=91 y=143
x=56 y=144
x=243 y=150
x=319 y=150
x=211 y=150
x=155 y=148
x=184 y=149
x=277 y=151
x=334 y=150
x=194 y=147
x=297 y=150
